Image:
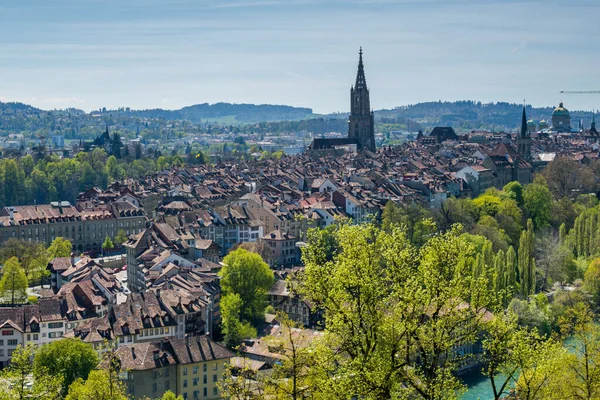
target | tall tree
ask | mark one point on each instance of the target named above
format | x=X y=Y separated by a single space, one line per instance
x=526 y=263
x=21 y=381
x=60 y=247
x=247 y=275
x=69 y=358
x=394 y=314
x=537 y=200
x=14 y=281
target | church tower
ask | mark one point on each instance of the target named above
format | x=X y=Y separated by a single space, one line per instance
x=361 y=124
x=524 y=140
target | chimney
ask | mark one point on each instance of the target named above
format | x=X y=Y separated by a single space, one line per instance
x=155 y=355
x=72 y=258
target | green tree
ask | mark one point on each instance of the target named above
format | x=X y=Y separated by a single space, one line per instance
x=592 y=281
x=60 y=247
x=98 y=386
x=121 y=237
x=526 y=262
x=69 y=358
x=515 y=191
x=21 y=380
x=394 y=314
x=291 y=378
x=247 y=275
x=537 y=200
x=231 y=305
x=14 y=282
x=108 y=244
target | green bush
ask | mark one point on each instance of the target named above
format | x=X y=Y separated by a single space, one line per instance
x=32 y=299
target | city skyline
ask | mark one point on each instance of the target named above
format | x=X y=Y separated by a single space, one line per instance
x=171 y=54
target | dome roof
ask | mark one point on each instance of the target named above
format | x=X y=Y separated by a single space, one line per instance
x=560 y=111
x=531 y=122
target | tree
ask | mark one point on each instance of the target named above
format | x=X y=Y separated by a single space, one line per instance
x=25 y=251
x=582 y=340
x=291 y=378
x=497 y=341
x=552 y=259
x=108 y=244
x=526 y=263
x=395 y=314
x=20 y=380
x=515 y=191
x=248 y=276
x=233 y=328
x=566 y=178
x=121 y=237
x=537 y=200
x=69 y=358
x=60 y=247
x=592 y=281
x=97 y=386
x=14 y=281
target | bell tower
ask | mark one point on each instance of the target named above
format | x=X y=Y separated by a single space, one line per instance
x=524 y=140
x=361 y=124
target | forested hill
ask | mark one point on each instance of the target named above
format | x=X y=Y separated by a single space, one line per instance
x=222 y=112
x=461 y=115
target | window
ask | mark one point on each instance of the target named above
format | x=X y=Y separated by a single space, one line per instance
x=7 y=332
x=154 y=387
x=184 y=371
x=205 y=379
x=215 y=391
x=9 y=352
x=1 y=342
x=167 y=384
x=215 y=378
x=195 y=370
x=185 y=383
x=54 y=325
x=204 y=367
x=196 y=394
x=1 y=352
x=166 y=372
x=214 y=366
x=13 y=342
x=195 y=382
x=205 y=392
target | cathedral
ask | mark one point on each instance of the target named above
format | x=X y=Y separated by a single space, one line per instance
x=361 y=124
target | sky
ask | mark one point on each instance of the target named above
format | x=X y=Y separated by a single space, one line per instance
x=173 y=53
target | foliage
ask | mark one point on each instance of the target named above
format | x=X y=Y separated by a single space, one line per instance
x=395 y=315
x=526 y=262
x=233 y=328
x=14 y=281
x=247 y=275
x=69 y=358
x=537 y=201
x=60 y=247
x=21 y=380
x=121 y=237
x=98 y=386
x=107 y=244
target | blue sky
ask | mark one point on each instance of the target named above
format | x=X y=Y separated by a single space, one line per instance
x=172 y=53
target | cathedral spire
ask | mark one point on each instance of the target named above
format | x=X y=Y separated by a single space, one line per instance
x=524 y=129
x=361 y=81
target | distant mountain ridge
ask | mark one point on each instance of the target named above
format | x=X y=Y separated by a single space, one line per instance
x=241 y=113
x=461 y=115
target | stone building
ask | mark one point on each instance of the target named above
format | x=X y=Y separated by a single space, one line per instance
x=561 y=119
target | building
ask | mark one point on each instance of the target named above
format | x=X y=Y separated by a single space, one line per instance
x=283 y=249
x=86 y=230
x=524 y=140
x=361 y=124
x=561 y=119
x=282 y=299
x=191 y=367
